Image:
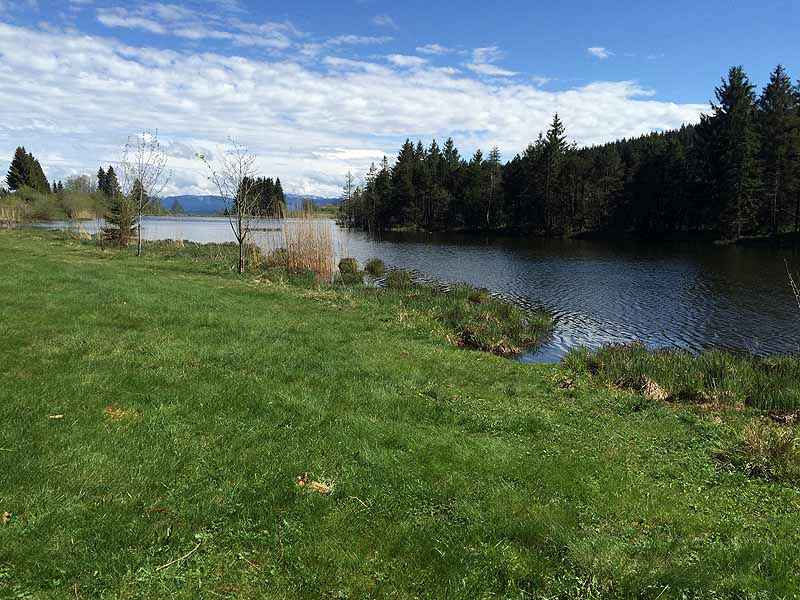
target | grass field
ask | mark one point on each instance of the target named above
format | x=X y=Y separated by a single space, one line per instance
x=158 y=412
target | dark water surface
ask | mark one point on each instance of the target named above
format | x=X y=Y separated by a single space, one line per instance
x=690 y=295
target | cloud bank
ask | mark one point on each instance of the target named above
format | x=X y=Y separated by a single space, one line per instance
x=309 y=122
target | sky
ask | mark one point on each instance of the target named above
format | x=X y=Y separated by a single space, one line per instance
x=317 y=88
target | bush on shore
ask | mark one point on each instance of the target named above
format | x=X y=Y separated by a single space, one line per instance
x=375 y=267
x=348 y=266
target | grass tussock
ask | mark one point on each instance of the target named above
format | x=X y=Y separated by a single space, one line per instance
x=399 y=280
x=764 y=384
x=375 y=267
x=766 y=450
x=348 y=266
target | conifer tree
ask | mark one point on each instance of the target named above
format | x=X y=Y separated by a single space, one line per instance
x=734 y=129
x=19 y=171
x=112 y=189
x=102 y=182
x=778 y=127
x=280 y=199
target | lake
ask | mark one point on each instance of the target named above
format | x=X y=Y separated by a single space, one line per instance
x=691 y=295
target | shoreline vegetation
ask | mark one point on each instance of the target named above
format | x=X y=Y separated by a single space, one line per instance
x=266 y=434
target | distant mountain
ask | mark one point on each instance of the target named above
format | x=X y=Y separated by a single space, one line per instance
x=209 y=205
x=198 y=205
x=295 y=201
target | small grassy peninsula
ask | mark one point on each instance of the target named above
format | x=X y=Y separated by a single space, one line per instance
x=174 y=429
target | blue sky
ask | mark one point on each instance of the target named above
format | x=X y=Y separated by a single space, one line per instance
x=317 y=88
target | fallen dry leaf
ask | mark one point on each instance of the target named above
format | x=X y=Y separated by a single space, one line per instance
x=116 y=413
x=653 y=391
x=318 y=487
x=55 y=416
x=566 y=384
x=6 y=518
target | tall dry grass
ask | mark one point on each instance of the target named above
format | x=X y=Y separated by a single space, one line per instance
x=795 y=285
x=310 y=246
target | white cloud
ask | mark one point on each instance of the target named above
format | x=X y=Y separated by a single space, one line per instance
x=483 y=60
x=384 y=21
x=82 y=96
x=403 y=60
x=599 y=52
x=172 y=19
x=434 y=49
x=358 y=40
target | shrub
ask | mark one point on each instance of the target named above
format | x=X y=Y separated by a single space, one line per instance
x=399 y=280
x=348 y=266
x=122 y=218
x=375 y=267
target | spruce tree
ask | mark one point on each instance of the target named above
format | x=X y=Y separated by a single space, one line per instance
x=778 y=127
x=734 y=128
x=112 y=184
x=19 y=171
x=102 y=182
x=280 y=199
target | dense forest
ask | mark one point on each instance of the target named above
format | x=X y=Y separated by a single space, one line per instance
x=736 y=173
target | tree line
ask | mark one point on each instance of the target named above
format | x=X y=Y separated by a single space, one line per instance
x=734 y=174
x=26 y=175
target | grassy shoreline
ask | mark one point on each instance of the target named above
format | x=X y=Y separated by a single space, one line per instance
x=192 y=399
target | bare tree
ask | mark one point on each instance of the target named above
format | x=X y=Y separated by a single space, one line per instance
x=794 y=284
x=144 y=168
x=236 y=183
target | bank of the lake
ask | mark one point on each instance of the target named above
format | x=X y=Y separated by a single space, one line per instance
x=158 y=412
x=690 y=295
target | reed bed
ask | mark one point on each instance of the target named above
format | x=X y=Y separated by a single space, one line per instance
x=310 y=246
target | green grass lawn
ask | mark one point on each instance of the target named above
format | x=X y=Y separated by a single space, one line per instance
x=192 y=398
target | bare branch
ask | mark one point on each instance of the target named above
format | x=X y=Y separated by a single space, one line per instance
x=144 y=173
x=235 y=180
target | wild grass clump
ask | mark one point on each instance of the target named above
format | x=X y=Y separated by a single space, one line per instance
x=479 y=296
x=399 y=280
x=490 y=324
x=348 y=266
x=345 y=278
x=494 y=325
x=766 y=384
x=310 y=247
x=375 y=267
x=766 y=450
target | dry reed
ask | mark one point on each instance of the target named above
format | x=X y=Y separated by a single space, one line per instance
x=310 y=246
x=794 y=285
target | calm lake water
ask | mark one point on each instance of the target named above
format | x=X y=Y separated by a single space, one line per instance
x=691 y=295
